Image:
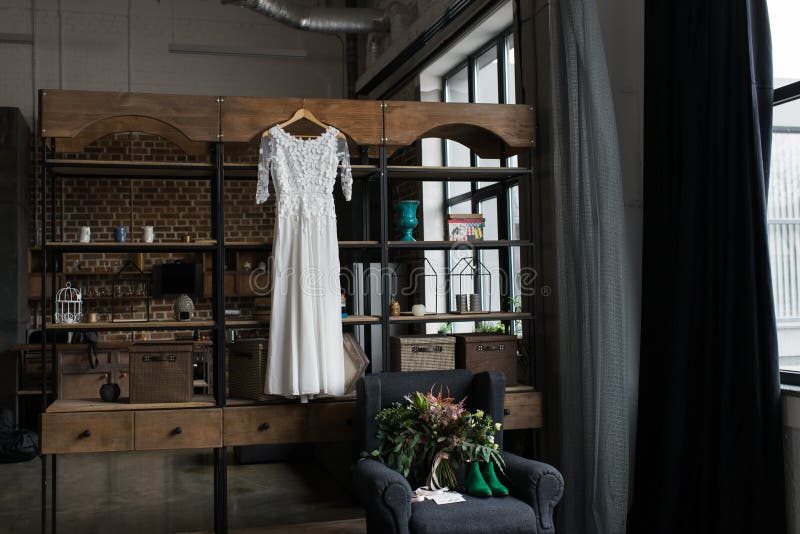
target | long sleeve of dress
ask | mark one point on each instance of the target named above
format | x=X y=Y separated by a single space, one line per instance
x=266 y=157
x=343 y=154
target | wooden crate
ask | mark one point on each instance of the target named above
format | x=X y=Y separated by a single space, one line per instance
x=488 y=352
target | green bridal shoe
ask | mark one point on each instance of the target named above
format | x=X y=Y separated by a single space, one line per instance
x=497 y=487
x=475 y=484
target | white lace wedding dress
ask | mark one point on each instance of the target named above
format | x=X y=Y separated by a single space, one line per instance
x=305 y=335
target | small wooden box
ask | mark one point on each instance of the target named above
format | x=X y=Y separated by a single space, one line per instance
x=488 y=352
x=161 y=372
x=422 y=353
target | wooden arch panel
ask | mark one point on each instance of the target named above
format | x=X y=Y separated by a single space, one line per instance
x=131 y=123
x=243 y=118
x=491 y=130
x=65 y=114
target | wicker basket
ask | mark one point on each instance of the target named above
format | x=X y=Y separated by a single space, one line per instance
x=422 y=353
x=247 y=369
x=161 y=373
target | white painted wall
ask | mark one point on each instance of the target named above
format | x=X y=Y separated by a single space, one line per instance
x=123 y=45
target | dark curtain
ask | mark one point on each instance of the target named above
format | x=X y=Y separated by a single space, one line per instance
x=709 y=452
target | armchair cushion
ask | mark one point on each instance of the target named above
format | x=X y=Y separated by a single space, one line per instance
x=475 y=516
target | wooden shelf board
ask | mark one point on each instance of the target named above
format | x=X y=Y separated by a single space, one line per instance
x=268 y=245
x=22 y=392
x=128 y=168
x=461 y=245
x=103 y=345
x=81 y=405
x=460 y=317
x=404 y=172
x=132 y=246
x=350 y=319
x=248 y=170
x=520 y=389
x=238 y=401
x=133 y=325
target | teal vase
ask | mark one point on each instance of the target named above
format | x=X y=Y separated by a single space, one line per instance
x=406 y=218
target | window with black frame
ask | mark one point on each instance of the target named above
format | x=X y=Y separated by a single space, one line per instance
x=783 y=208
x=487 y=76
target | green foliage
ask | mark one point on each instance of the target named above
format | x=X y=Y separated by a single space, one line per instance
x=483 y=327
x=412 y=434
x=446 y=328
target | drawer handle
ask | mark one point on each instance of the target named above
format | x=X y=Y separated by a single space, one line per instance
x=491 y=348
x=506 y=411
x=85 y=434
x=435 y=348
x=263 y=426
x=177 y=431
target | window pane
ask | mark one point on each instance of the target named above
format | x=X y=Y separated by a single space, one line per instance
x=513 y=212
x=489 y=285
x=461 y=207
x=784 y=242
x=457 y=155
x=489 y=210
x=783 y=17
x=487 y=163
x=457 y=87
x=486 y=78
x=511 y=89
x=457 y=188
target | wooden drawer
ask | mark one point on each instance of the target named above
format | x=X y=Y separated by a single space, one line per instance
x=178 y=429
x=290 y=423
x=523 y=410
x=64 y=433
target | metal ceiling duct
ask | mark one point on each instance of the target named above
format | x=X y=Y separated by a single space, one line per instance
x=320 y=19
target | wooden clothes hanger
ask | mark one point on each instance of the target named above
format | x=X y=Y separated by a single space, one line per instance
x=303 y=113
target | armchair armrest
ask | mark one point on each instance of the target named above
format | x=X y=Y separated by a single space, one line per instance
x=386 y=496
x=538 y=484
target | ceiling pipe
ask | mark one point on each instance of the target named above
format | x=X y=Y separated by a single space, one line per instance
x=316 y=19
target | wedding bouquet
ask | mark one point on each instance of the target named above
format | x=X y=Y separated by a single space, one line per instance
x=429 y=435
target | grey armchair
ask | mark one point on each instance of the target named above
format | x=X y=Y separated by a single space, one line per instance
x=536 y=487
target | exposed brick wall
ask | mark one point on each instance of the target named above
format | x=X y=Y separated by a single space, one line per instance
x=175 y=207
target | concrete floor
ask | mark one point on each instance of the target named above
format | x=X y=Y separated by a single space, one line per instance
x=169 y=491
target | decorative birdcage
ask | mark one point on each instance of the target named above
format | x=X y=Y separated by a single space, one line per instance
x=69 y=305
x=183 y=308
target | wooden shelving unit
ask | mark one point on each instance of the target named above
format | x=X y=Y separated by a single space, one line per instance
x=71 y=120
x=132 y=325
x=462 y=317
x=258 y=323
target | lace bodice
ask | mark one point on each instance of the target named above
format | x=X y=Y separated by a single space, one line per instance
x=303 y=172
